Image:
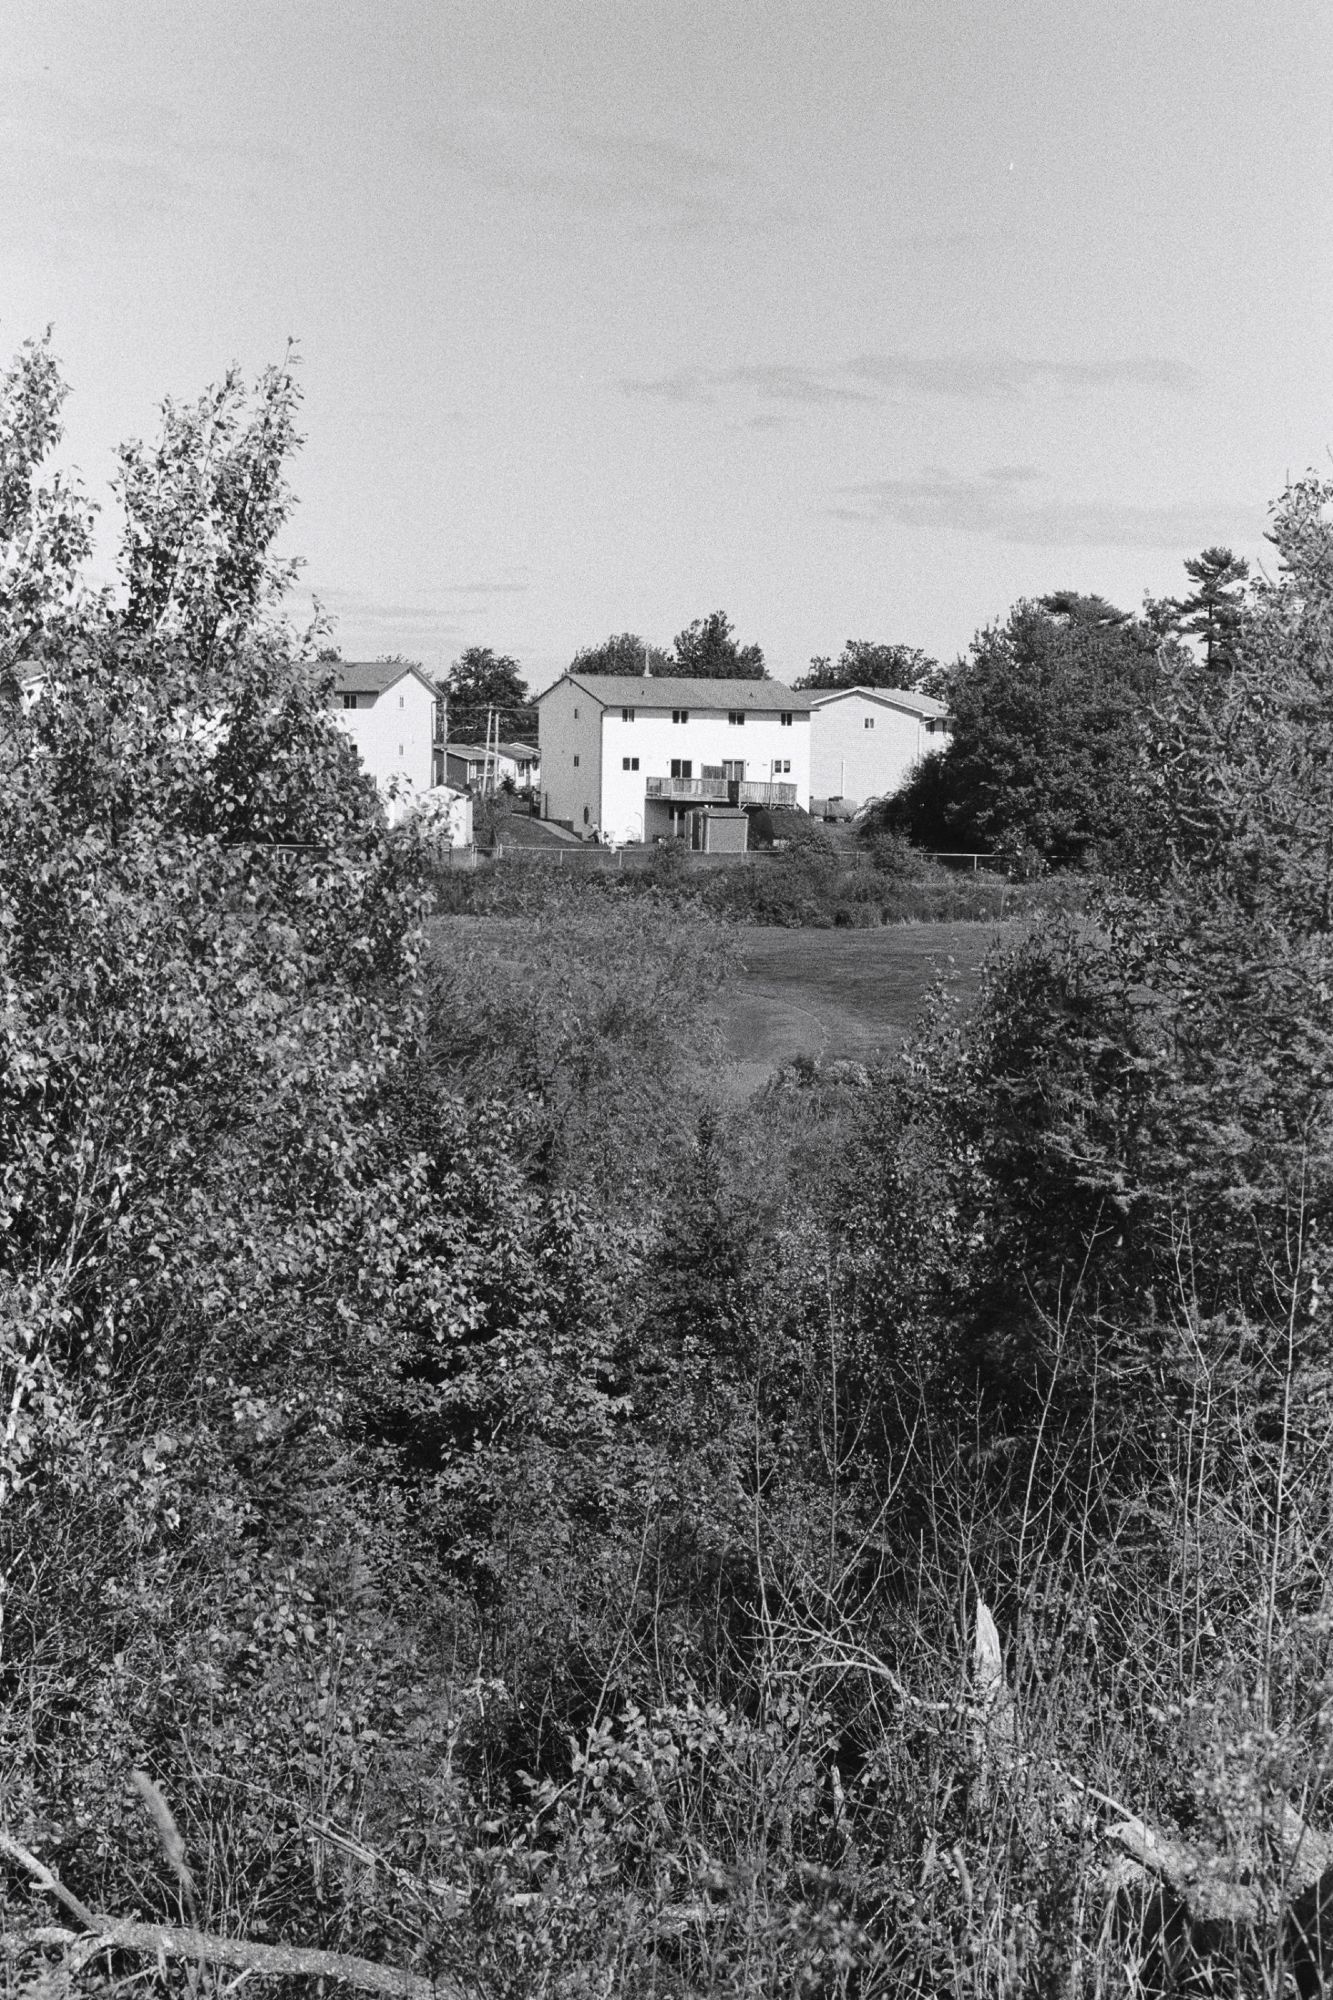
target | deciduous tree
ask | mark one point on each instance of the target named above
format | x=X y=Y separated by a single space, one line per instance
x=707 y=650
x=481 y=680
x=875 y=663
x=1050 y=717
x=622 y=653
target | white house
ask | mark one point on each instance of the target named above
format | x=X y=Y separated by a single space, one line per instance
x=865 y=740
x=525 y=758
x=627 y=757
x=395 y=716
x=514 y=763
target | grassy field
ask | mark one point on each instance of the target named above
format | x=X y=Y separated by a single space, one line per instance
x=826 y=994
x=840 y=994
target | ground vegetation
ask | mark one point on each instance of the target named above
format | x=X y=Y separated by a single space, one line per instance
x=533 y=1525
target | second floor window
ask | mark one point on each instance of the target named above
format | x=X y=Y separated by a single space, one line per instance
x=349 y=701
x=682 y=767
x=629 y=763
x=627 y=715
x=680 y=715
x=736 y=716
x=785 y=718
x=870 y=722
x=576 y=760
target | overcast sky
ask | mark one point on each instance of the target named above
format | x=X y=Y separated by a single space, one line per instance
x=854 y=319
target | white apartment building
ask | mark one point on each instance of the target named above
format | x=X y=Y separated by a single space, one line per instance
x=864 y=741
x=627 y=757
x=395 y=716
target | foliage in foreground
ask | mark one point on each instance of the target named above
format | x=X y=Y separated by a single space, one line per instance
x=529 y=1522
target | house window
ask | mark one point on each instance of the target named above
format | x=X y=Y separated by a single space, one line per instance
x=736 y=716
x=682 y=767
x=576 y=714
x=680 y=715
x=869 y=722
x=400 y=749
x=627 y=715
x=782 y=763
x=785 y=718
x=629 y=763
x=402 y=701
x=576 y=760
x=349 y=701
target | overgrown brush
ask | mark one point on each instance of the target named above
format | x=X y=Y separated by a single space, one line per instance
x=804 y=889
x=535 y=1529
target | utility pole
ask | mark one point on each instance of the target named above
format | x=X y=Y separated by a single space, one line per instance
x=491 y=761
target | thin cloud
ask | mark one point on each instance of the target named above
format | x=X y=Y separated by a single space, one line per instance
x=793 y=385
x=771 y=382
x=987 y=376
x=493 y=586
x=959 y=239
x=682 y=385
x=93 y=173
x=999 y=505
x=610 y=172
x=978 y=376
x=366 y=624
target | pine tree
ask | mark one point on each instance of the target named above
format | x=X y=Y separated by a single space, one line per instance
x=1215 y=609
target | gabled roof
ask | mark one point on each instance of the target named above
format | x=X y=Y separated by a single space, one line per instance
x=375 y=676
x=473 y=751
x=924 y=705
x=665 y=691
x=522 y=753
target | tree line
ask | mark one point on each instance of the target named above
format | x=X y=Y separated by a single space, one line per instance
x=1051 y=708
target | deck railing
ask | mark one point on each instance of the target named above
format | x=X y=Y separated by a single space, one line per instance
x=687 y=788
x=722 y=791
x=759 y=792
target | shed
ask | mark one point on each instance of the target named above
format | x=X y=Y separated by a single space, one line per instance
x=718 y=830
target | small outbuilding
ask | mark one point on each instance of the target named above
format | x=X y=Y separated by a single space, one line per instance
x=718 y=830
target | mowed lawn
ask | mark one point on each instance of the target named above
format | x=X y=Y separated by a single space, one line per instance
x=840 y=994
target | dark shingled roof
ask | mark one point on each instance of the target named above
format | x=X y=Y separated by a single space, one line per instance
x=374 y=676
x=664 y=691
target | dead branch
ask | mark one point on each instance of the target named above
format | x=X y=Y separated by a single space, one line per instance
x=285 y=1960
x=43 y=1877
x=166 y=1941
